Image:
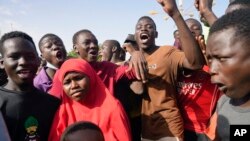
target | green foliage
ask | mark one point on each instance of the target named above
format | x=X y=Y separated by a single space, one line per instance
x=71 y=54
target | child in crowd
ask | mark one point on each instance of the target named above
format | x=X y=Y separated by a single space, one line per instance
x=228 y=56
x=85 y=46
x=54 y=53
x=177 y=42
x=27 y=111
x=111 y=51
x=82 y=131
x=197 y=96
x=85 y=98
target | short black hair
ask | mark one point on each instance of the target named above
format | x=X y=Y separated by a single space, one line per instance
x=239 y=20
x=175 y=31
x=240 y=2
x=15 y=34
x=48 y=35
x=149 y=18
x=192 y=19
x=81 y=125
x=75 y=36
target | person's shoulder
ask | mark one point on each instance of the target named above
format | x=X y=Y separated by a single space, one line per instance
x=46 y=96
x=166 y=49
x=222 y=100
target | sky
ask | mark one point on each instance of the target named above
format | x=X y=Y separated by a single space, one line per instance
x=107 y=19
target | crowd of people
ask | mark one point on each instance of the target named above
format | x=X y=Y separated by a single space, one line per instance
x=191 y=91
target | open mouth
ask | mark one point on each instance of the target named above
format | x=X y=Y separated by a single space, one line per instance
x=222 y=87
x=93 y=53
x=144 y=37
x=25 y=73
x=59 y=56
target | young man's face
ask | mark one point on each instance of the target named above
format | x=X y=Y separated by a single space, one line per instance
x=106 y=50
x=145 y=33
x=76 y=85
x=87 y=47
x=229 y=61
x=20 y=60
x=195 y=27
x=53 y=51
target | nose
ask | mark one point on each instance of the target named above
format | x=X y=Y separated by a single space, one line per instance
x=74 y=84
x=93 y=45
x=213 y=68
x=55 y=47
x=22 y=60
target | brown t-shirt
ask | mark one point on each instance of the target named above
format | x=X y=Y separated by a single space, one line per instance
x=160 y=114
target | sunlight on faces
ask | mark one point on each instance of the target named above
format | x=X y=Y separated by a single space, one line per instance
x=20 y=60
x=87 y=46
x=145 y=33
x=229 y=61
x=53 y=50
x=76 y=85
x=106 y=51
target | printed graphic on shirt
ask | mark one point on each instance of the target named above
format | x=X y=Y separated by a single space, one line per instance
x=31 y=126
x=153 y=66
x=190 y=88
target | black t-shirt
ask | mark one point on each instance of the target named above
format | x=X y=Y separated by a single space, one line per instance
x=29 y=115
x=3 y=77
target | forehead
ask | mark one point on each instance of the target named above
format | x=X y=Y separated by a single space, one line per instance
x=108 y=43
x=192 y=22
x=18 y=44
x=86 y=36
x=50 y=39
x=145 y=21
x=224 y=42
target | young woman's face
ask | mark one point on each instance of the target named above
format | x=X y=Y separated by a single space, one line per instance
x=20 y=61
x=76 y=85
x=229 y=61
x=53 y=51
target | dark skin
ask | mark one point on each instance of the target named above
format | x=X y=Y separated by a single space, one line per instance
x=205 y=9
x=229 y=66
x=20 y=61
x=110 y=52
x=53 y=50
x=193 y=59
x=87 y=48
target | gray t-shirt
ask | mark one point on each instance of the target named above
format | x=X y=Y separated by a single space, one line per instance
x=229 y=114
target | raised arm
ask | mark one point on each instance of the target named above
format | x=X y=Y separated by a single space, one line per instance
x=194 y=58
x=205 y=9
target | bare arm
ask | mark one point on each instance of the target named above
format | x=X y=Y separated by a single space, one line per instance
x=194 y=58
x=205 y=9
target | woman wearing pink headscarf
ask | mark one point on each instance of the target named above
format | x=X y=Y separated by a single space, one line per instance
x=85 y=98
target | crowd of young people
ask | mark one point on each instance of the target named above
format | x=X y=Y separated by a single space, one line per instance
x=191 y=92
